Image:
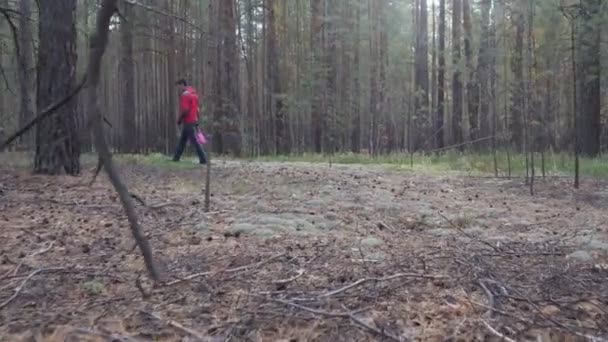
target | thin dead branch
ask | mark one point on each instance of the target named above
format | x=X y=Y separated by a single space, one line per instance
x=98 y=45
x=199 y=336
x=42 y=251
x=470 y=236
x=490 y=295
x=349 y=315
x=107 y=336
x=392 y=277
x=496 y=332
x=387 y=226
x=44 y=114
x=24 y=282
x=231 y=270
x=290 y=280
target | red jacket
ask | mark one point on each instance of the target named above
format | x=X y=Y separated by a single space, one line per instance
x=188 y=102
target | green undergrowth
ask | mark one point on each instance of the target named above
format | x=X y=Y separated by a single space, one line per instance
x=158 y=159
x=556 y=164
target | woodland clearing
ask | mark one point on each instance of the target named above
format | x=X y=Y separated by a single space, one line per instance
x=303 y=252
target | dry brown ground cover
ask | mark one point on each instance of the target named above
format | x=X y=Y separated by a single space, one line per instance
x=303 y=252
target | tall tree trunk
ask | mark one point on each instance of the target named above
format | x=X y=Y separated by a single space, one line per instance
x=356 y=95
x=484 y=68
x=517 y=105
x=421 y=76
x=457 y=131
x=374 y=97
x=27 y=77
x=57 y=139
x=383 y=127
x=274 y=77
x=317 y=114
x=472 y=88
x=170 y=131
x=252 y=104
x=229 y=138
x=441 y=78
x=213 y=72
x=127 y=71
x=588 y=77
x=331 y=76
x=433 y=107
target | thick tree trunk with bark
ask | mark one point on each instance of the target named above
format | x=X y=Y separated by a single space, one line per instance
x=441 y=77
x=588 y=77
x=228 y=139
x=331 y=76
x=127 y=71
x=57 y=138
x=356 y=94
x=374 y=99
x=433 y=106
x=472 y=87
x=421 y=75
x=170 y=118
x=27 y=76
x=281 y=145
x=317 y=115
x=382 y=140
x=518 y=84
x=484 y=68
x=457 y=120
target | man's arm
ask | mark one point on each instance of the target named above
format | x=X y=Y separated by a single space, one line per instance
x=181 y=117
x=184 y=108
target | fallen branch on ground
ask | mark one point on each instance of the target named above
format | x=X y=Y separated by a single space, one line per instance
x=106 y=336
x=289 y=280
x=491 y=301
x=178 y=326
x=470 y=236
x=24 y=282
x=384 y=225
x=392 y=277
x=349 y=315
x=42 y=251
x=231 y=270
x=496 y=332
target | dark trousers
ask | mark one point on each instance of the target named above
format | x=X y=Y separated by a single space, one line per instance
x=189 y=134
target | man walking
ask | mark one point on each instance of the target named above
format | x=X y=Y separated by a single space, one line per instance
x=188 y=119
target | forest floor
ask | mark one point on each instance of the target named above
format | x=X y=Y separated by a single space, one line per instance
x=303 y=252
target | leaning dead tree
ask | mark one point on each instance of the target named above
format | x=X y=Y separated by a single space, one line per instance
x=98 y=44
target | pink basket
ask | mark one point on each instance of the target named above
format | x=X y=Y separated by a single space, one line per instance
x=200 y=137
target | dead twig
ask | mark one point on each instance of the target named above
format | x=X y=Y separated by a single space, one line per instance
x=231 y=270
x=165 y=205
x=392 y=277
x=107 y=336
x=24 y=282
x=289 y=280
x=470 y=236
x=98 y=44
x=491 y=301
x=496 y=332
x=387 y=226
x=348 y=315
x=42 y=251
x=44 y=114
x=199 y=336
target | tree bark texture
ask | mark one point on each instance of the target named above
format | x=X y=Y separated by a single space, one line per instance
x=57 y=138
